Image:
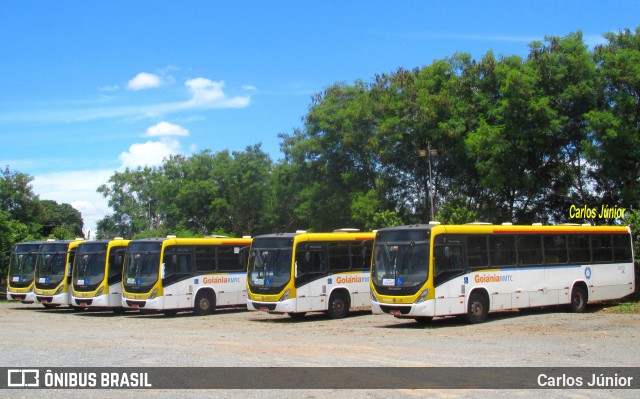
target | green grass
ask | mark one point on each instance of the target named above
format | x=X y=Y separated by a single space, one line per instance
x=627 y=307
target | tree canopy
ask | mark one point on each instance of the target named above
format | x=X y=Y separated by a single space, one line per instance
x=500 y=139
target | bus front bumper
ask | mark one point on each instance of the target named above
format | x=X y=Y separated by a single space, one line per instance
x=24 y=297
x=423 y=309
x=155 y=304
x=59 y=299
x=285 y=306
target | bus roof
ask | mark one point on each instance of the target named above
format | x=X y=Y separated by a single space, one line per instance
x=196 y=240
x=476 y=228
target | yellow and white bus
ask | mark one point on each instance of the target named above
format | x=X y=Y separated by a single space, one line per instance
x=53 y=272
x=172 y=274
x=424 y=271
x=96 y=279
x=22 y=267
x=296 y=273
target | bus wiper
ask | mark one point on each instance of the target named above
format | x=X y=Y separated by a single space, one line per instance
x=410 y=252
x=270 y=265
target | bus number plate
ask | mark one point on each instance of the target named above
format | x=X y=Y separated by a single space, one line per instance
x=395 y=312
x=264 y=309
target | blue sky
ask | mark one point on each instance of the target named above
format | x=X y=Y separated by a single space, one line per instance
x=90 y=88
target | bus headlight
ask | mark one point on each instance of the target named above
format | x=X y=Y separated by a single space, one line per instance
x=59 y=290
x=100 y=291
x=153 y=294
x=374 y=298
x=422 y=296
x=285 y=296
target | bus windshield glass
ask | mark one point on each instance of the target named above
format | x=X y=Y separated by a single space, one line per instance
x=88 y=271
x=401 y=259
x=22 y=263
x=270 y=263
x=51 y=263
x=141 y=265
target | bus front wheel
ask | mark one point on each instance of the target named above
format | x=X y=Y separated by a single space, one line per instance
x=338 y=306
x=478 y=308
x=205 y=303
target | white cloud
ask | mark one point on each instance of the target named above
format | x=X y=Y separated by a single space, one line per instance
x=151 y=153
x=164 y=129
x=143 y=81
x=206 y=93
x=248 y=87
x=77 y=188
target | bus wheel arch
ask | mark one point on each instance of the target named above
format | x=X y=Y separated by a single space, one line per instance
x=477 y=306
x=339 y=303
x=205 y=302
x=579 y=297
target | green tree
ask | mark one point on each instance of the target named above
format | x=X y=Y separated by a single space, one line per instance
x=614 y=142
x=131 y=195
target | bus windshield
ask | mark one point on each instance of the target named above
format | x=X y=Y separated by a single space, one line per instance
x=270 y=263
x=88 y=271
x=51 y=263
x=401 y=260
x=141 y=265
x=22 y=264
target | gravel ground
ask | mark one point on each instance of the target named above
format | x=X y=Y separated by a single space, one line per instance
x=36 y=337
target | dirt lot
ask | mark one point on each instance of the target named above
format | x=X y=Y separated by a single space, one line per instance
x=35 y=337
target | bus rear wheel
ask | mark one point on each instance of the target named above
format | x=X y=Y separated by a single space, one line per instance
x=477 y=309
x=578 y=299
x=205 y=303
x=338 y=306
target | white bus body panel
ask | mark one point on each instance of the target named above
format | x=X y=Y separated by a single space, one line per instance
x=513 y=288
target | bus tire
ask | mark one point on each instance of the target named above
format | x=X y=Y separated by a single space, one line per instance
x=477 y=308
x=578 y=299
x=338 y=306
x=205 y=303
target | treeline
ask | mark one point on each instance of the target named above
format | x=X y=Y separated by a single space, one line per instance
x=501 y=139
x=25 y=217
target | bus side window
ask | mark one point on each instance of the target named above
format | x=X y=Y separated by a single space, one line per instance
x=477 y=251
x=601 y=249
x=529 y=250
x=621 y=247
x=555 y=249
x=448 y=258
x=502 y=250
x=579 y=248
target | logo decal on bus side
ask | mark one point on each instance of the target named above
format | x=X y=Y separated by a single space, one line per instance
x=587 y=273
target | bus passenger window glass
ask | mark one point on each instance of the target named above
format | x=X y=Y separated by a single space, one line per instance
x=338 y=256
x=309 y=261
x=116 y=257
x=205 y=259
x=177 y=261
x=448 y=258
x=579 y=248
x=502 y=250
x=555 y=249
x=477 y=252
x=361 y=255
x=529 y=250
x=621 y=247
x=229 y=259
x=601 y=250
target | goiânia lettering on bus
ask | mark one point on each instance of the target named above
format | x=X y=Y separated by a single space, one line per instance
x=493 y=278
x=220 y=280
x=351 y=279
